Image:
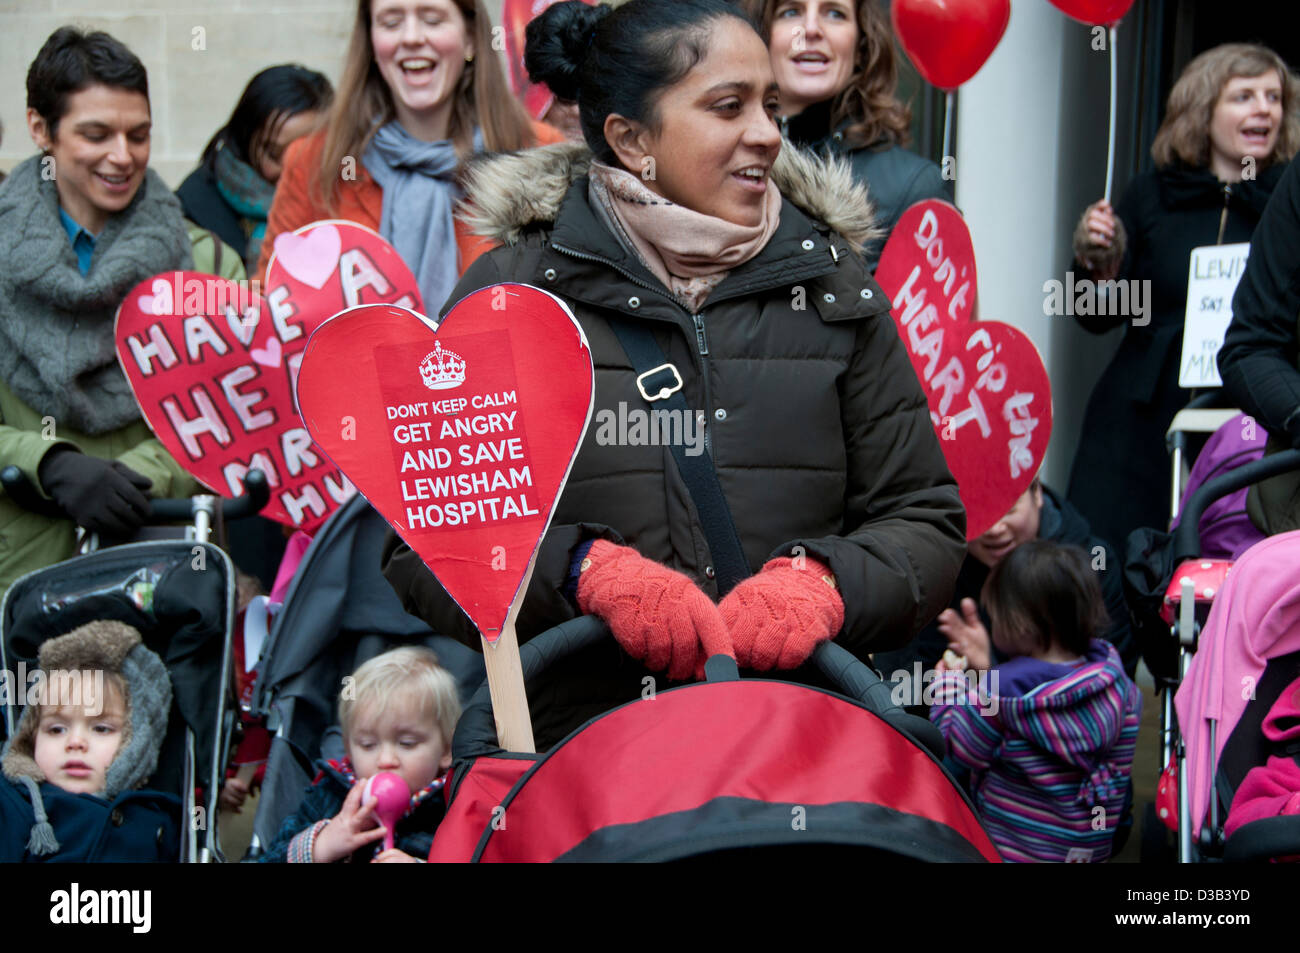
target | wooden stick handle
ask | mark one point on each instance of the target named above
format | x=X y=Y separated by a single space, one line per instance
x=506 y=679
x=509 y=700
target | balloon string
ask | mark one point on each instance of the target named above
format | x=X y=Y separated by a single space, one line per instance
x=947 y=125
x=1110 y=144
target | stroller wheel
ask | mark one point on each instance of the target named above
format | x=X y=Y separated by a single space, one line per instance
x=1157 y=842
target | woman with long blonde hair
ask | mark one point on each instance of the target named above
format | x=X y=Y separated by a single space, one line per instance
x=1229 y=130
x=421 y=92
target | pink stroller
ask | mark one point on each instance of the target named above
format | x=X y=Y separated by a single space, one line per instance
x=1248 y=654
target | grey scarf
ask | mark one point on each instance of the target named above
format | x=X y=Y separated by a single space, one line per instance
x=56 y=326
x=420 y=194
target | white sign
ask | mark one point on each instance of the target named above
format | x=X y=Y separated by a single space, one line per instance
x=1212 y=279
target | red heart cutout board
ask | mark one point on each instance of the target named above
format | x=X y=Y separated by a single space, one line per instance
x=212 y=362
x=949 y=40
x=989 y=394
x=465 y=432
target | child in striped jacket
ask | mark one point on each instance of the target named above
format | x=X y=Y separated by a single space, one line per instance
x=1050 y=754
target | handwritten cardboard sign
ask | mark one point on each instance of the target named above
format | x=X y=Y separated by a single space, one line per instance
x=988 y=391
x=464 y=434
x=212 y=363
x=1212 y=277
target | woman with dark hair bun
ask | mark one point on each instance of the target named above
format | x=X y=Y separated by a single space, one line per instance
x=230 y=192
x=686 y=233
x=838 y=71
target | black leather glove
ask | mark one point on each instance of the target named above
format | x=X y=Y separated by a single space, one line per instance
x=104 y=496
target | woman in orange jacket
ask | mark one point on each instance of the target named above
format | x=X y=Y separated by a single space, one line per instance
x=421 y=92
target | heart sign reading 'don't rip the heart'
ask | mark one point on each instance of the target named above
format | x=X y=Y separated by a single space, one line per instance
x=463 y=440
x=989 y=395
x=212 y=362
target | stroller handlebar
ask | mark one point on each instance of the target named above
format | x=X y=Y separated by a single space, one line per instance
x=476 y=732
x=1187 y=538
x=256 y=493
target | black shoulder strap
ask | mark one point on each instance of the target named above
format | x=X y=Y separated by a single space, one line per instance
x=656 y=377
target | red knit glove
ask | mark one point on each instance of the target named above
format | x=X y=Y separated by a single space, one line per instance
x=777 y=617
x=658 y=615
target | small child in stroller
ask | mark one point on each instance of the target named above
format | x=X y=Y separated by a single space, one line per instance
x=86 y=741
x=398 y=713
x=1051 y=749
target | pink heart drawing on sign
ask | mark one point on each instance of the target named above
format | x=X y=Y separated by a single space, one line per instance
x=268 y=356
x=310 y=258
x=989 y=396
x=160 y=301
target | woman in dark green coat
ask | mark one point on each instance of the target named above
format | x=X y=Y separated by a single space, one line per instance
x=80 y=226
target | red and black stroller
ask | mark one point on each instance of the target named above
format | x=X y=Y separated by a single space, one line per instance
x=717 y=770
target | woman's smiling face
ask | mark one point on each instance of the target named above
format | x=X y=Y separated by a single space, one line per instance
x=716 y=137
x=100 y=150
x=420 y=48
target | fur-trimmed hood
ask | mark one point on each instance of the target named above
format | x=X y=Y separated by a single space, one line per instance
x=507 y=193
x=109 y=647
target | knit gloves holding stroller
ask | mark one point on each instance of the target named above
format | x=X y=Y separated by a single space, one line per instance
x=659 y=616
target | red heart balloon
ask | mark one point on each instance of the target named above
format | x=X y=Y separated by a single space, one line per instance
x=1094 y=12
x=212 y=362
x=989 y=395
x=949 y=40
x=463 y=436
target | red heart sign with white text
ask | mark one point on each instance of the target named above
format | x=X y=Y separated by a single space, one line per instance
x=462 y=438
x=989 y=395
x=212 y=362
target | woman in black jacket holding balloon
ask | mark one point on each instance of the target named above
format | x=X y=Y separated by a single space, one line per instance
x=1229 y=131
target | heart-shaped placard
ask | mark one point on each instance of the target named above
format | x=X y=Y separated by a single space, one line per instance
x=462 y=438
x=949 y=40
x=212 y=363
x=989 y=395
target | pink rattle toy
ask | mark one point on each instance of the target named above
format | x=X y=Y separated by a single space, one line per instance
x=391 y=797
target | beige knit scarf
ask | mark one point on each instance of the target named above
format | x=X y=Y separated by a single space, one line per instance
x=688 y=251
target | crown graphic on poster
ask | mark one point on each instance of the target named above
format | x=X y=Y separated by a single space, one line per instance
x=441 y=369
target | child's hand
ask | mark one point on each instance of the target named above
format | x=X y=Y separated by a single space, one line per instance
x=395 y=856
x=233 y=794
x=348 y=830
x=966 y=634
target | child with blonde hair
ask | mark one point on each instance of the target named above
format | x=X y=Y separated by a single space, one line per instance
x=398 y=712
